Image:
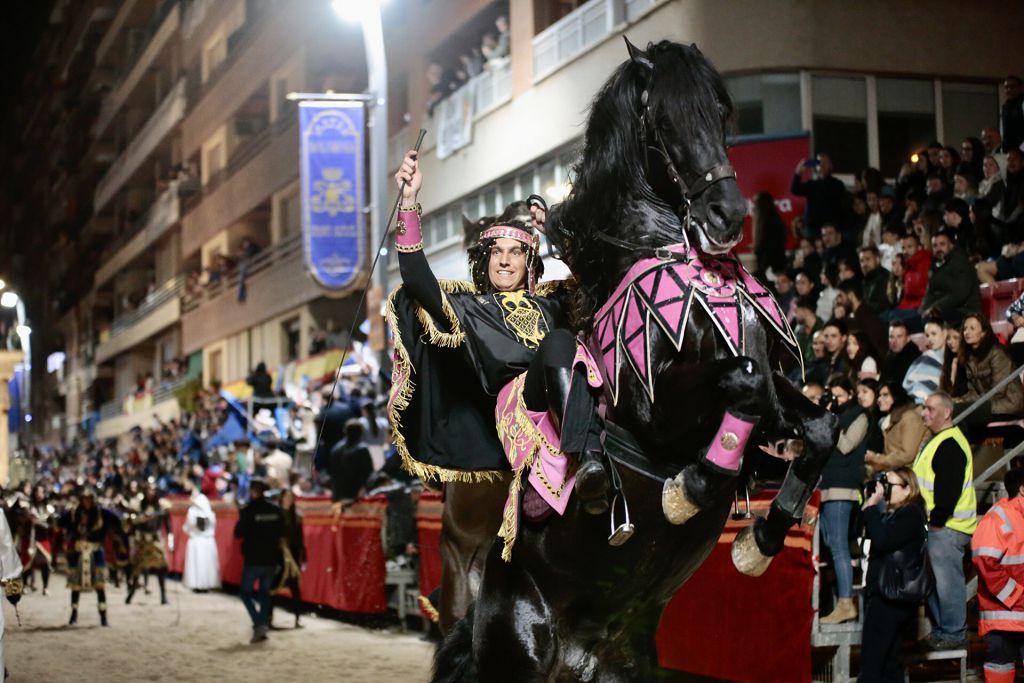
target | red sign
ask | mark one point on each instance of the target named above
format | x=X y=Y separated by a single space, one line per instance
x=766 y=165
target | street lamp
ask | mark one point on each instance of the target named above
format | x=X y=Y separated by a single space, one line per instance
x=11 y=300
x=368 y=14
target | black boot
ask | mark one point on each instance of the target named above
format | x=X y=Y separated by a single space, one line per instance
x=74 y=617
x=591 y=476
x=103 y=618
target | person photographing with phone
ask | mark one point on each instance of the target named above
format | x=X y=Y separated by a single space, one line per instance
x=813 y=180
x=898 y=576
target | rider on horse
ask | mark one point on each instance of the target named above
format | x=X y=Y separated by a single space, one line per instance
x=462 y=347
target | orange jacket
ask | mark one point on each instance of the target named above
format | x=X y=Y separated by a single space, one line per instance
x=998 y=550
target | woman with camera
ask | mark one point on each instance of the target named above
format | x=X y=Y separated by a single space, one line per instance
x=898 y=578
x=841 y=482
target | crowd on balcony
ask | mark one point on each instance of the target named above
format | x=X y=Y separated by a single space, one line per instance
x=222 y=267
x=885 y=296
x=491 y=53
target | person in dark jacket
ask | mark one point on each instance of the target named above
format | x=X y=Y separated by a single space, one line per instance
x=902 y=352
x=261 y=528
x=862 y=317
x=896 y=534
x=952 y=280
x=841 y=482
x=825 y=194
x=330 y=425
x=876 y=279
x=262 y=386
x=350 y=464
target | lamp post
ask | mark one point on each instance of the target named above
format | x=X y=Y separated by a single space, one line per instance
x=367 y=13
x=11 y=300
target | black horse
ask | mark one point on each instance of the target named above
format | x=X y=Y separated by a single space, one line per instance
x=653 y=187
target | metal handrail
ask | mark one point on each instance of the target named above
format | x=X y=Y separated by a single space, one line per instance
x=168 y=291
x=1015 y=375
x=262 y=261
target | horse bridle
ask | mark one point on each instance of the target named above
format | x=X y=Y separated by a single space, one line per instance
x=691 y=185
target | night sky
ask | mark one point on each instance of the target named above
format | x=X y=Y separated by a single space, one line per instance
x=22 y=26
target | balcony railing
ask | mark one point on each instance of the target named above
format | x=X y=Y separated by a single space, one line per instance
x=162 y=214
x=233 y=281
x=169 y=291
x=163 y=120
x=575 y=32
x=134 y=404
x=241 y=156
x=116 y=98
x=455 y=115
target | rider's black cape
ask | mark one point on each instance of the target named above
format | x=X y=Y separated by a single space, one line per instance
x=447 y=374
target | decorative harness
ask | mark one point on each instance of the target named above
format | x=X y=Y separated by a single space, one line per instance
x=662 y=290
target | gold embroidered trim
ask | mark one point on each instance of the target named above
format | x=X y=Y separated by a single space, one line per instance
x=429 y=609
x=409 y=248
x=402 y=392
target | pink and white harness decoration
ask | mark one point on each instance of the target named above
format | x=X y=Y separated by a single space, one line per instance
x=663 y=290
x=532 y=445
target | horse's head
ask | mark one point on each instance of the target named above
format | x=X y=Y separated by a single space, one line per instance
x=682 y=110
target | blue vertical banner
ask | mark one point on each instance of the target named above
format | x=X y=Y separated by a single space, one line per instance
x=333 y=178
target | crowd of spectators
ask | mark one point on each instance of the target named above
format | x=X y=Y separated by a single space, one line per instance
x=883 y=293
x=492 y=53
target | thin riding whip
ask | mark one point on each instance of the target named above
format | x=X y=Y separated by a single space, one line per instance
x=373 y=266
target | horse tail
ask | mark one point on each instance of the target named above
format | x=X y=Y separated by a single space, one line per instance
x=453 y=661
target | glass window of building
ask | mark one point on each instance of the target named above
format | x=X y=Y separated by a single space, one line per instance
x=840 y=121
x=765 y=103
x=906 y=120
x=548 y=183
x=526 y=186
x=966 y=109
x=508 y=193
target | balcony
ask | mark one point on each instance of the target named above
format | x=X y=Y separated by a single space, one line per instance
x=159 y=125
x=477 y=97
x=118 y=417
x=164 y=213
x=260 y=166
x=275 y=281
x=277 y=33
x=161 y=29
x=582 y=28
x=158 y=312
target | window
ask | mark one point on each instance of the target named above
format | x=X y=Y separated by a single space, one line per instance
x=766 y=103
x=290 y=333
x=966 y=109
x=214 y=54
x=906 y=120
x=290 y=215
x=839 y=108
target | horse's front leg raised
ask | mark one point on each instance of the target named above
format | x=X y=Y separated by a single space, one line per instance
x=743 y=389
x=755 y=546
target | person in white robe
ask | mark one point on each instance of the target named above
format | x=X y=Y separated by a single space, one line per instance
x=202 y=561
x=10 y=576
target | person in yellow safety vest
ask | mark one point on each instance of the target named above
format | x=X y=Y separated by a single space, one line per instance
x=945 y=473
x=998 y=549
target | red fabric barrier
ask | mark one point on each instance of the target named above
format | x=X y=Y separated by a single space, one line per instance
x=728 y=626
x=428 y=527
x=345 y=558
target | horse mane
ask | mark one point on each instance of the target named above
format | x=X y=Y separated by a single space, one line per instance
x=611 y=191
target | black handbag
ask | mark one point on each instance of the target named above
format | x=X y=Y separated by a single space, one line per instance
x=201 y=523
x=905 y=575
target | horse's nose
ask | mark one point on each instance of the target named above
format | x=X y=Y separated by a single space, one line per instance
x=726 y=215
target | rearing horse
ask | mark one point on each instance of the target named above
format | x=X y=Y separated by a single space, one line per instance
x=688 y=343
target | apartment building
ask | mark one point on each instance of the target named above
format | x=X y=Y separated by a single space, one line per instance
x=191 y=150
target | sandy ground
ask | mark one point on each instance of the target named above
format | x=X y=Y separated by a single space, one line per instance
x=195 y=638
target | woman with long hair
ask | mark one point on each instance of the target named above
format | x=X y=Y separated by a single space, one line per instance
x=769 y=236
x=862 y=357
x=294 y=553
x=986 y=364
x=953 y=379
x=898 y=534
x=902 y=428
x=841 y=482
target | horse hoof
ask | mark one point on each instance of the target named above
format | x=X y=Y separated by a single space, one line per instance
x=676 y=505
x=746 y=556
